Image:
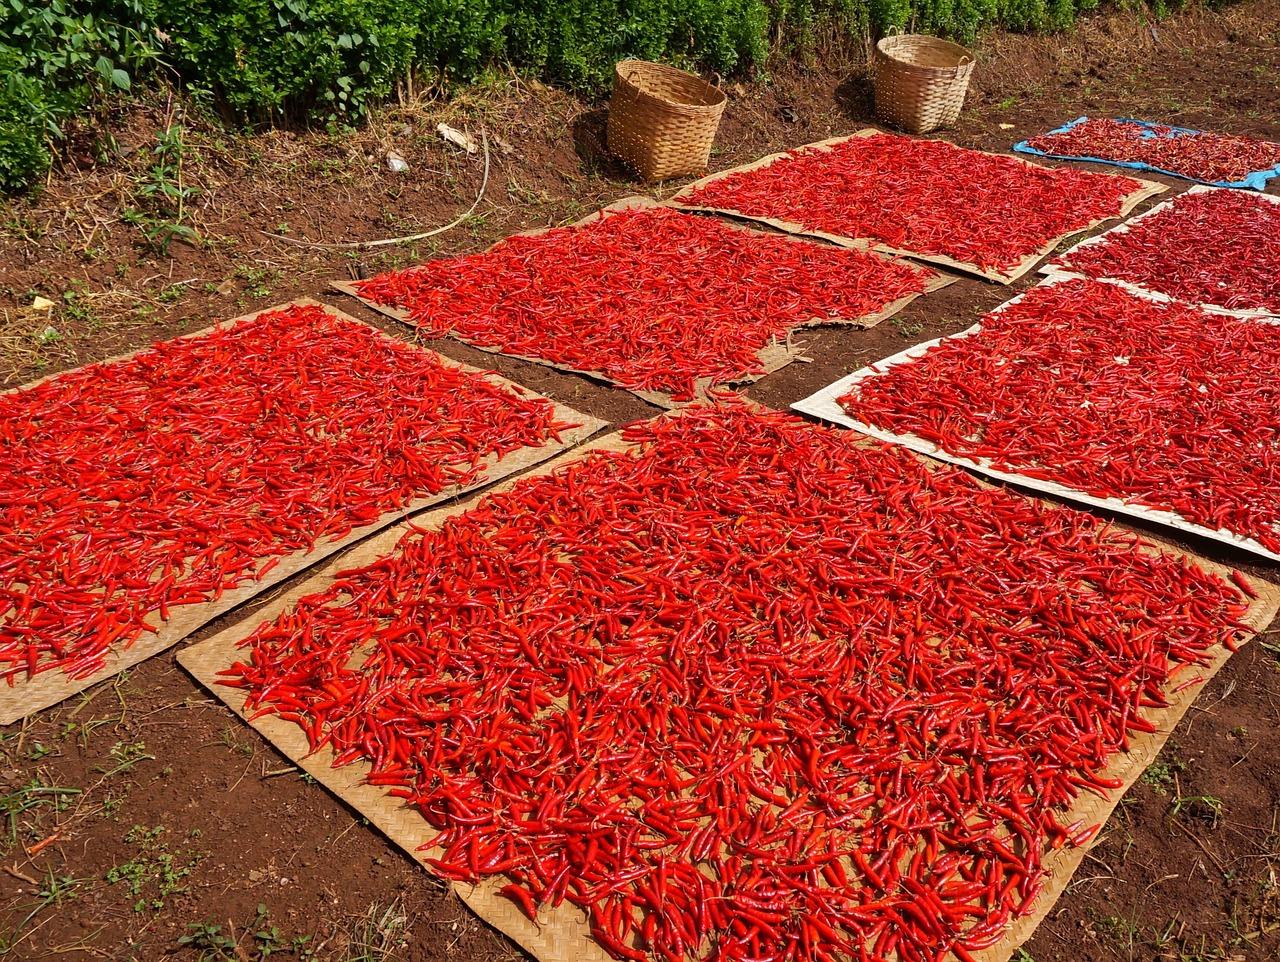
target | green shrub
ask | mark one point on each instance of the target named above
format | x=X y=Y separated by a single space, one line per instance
x=24 y=154
x=57 y=57
x=296 y=61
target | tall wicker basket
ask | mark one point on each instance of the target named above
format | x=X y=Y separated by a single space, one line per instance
x=920 y=82
x=662 y=121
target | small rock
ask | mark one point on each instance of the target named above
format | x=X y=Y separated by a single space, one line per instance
x=397 y=163
x=39 y=303
x=788 y=114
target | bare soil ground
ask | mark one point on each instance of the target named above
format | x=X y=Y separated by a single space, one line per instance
x=141 y=821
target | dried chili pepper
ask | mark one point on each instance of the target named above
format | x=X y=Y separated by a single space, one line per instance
x=747 y=690
x=654 y=299
x=1082 y=383
x=1194 y=154
x=132 y=487
x=924 y=196
x=1210 y=246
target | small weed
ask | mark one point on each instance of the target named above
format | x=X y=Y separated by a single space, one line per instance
x=907 y=328
x=124 y=756
x=56 y=890
x=160 y=199
x=1199 y=808
x=36 y=794
x=264 y=941
x=1118 y=929
x=172 y=294
x=208 y=939
x=230 y=739
x=258 y=280
x=75 y=306
x=1162 y=773
x=155 y=873
x=379 y=934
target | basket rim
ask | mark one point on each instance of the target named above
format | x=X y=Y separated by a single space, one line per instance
x=719 y=97
x=964 y=56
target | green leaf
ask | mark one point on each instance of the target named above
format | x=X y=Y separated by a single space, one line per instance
x=120 y=78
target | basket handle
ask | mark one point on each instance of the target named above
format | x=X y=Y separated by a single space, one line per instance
x=716 y=79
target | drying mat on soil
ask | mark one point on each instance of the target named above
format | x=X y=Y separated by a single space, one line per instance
x=693 y=657
x=992 y=215
x=662 y=303
x=219 y=464
x=1221 y=160
x=1086 y=391
x=1213 y=247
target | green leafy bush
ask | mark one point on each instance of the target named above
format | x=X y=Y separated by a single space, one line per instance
x=294 y=61
x=57 y=57
x=24 y=155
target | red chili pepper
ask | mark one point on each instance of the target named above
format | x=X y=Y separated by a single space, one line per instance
x=715 y=690
x=135 y=486
x=924 y=196
x=1089 y=386
x=1209 y=246
x=1196 y=155
x=654 y=299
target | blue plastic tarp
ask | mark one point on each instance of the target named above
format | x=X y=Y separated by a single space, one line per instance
x=1257 y=180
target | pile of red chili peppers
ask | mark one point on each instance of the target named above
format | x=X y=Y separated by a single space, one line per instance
x=923 y=196
x=655 y=300
x=1197 y=155
x=750 y=690
x=1219 y=247
x=131 y=487
x=1160 y=404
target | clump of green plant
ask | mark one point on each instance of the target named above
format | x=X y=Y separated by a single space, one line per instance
x=262 y=940
x=155 y=873
x=160 y=199
x=29 y=800
x=59 y=60
x=1162 y=774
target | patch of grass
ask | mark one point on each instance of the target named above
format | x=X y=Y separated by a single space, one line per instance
x=258 y=280
x=35 y=795
x=908 y=329
x=1199 y=808
x=1117 y=929
x=155 y=873
x=172 y=294
x=379 y=935
x=230 y=739
x=1162 y=773
x=55 y=890
x=123 y=756
x=75 y=305
x=262 y=940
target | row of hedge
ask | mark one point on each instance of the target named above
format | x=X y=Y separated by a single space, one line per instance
x=273 y=61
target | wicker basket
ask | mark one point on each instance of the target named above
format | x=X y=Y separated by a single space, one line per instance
x=920 y=81
x=662 y=121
